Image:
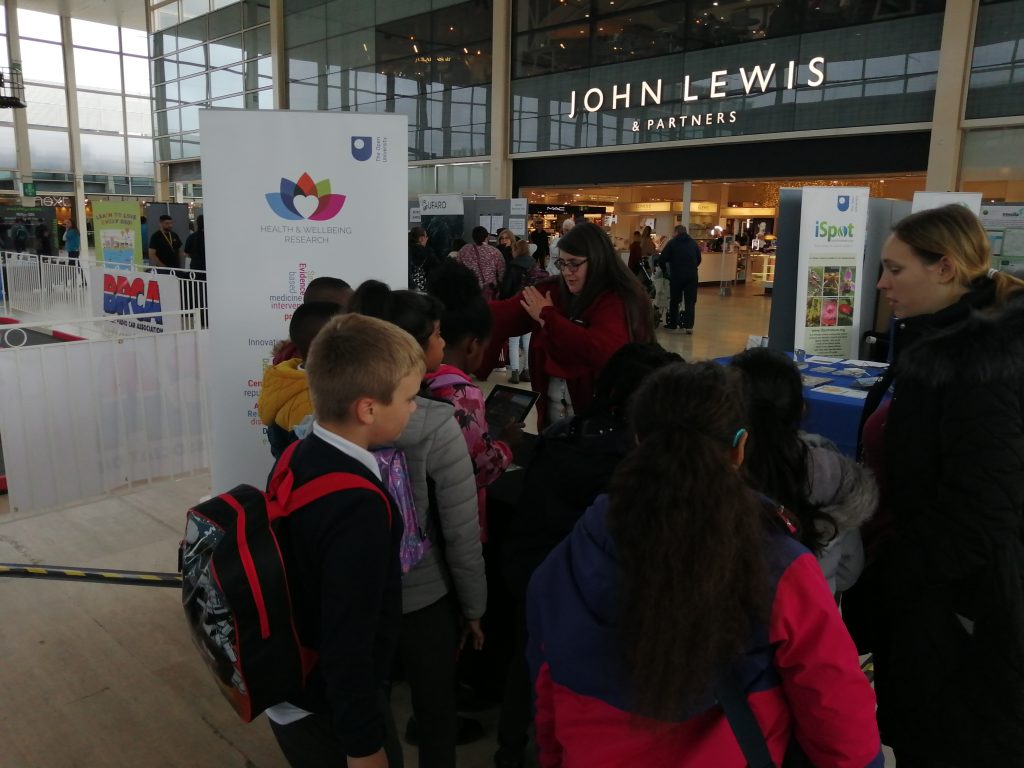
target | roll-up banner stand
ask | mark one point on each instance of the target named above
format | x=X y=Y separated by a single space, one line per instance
x=833 y=228
x=289 y=196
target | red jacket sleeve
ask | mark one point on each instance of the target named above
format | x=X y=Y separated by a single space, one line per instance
x=510 y=320
x=832 y=702
x=579 y=349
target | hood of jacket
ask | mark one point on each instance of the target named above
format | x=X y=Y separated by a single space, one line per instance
x=429 y=415
x=525 y=262
x=975 y=344
x=845 y=491
x=284 y=398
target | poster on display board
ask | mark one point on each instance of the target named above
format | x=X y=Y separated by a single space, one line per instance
x=325 y=198
x=924 y=201
x=118 y=232
x=1004 y=223
x=833 y=229
x=113 y=292
x=443 y=216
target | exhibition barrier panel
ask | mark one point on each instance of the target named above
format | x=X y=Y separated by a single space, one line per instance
x=82 y=419
x=58 y=289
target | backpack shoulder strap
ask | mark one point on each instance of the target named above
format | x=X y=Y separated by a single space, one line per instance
x=323 y=486
x=744 y=725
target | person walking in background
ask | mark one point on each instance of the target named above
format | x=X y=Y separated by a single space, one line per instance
x=422 y=260
x=941 y=601
x=72 y=242
x=165 y=247
x=540 y=238
x=673 y=595
x=195 y=250
x=44 y=246
x=19 y=234
x=506 y=239
x=681 y=257
x=486 y=262
x=636 y=254
x=523 y=271
x=567 y=226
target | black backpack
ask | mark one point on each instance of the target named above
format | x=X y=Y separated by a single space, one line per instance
x=235 y=587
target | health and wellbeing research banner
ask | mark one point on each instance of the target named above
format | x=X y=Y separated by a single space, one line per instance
x=288 y=197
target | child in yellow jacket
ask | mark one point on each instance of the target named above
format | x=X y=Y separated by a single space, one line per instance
x=284 y=401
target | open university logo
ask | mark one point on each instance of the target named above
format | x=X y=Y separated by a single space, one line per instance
x=362 y=148
x=843 y=203
x=307 y=194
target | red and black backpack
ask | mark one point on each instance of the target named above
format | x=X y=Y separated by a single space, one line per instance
x=235 y=587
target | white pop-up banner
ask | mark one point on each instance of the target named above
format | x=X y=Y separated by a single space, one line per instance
x=288 y=197
x=833 y=230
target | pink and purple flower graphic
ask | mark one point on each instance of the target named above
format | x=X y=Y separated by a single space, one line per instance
x=283 y=203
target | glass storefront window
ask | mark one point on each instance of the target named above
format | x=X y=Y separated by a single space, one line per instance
x=226 y=21
x=100 y=112
x=103 y=154
x=39 y=26
x=193 y=89
x=164 y=17
x=8 y=158
x=997 y=69
x=988 y=164
x=133 y=41
x=139 y=116
x=532 y=15
x=42 y=62
x=46 y=106
x=226 y=81
x=638 y=34
x=93 y=35
x=49 y=150
x=94 y=69
x=136 y=76
x=226 y=51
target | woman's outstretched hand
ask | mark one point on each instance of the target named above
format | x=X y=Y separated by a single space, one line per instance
x=534 y=302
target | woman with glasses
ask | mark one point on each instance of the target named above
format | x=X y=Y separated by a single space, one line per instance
x=579 y=319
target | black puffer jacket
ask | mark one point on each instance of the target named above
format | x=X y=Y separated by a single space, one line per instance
x=946 y=588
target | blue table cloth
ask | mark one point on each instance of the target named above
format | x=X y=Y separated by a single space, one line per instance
x=834 y=416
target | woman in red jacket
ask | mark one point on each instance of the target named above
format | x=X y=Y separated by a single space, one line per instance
x=578 y=320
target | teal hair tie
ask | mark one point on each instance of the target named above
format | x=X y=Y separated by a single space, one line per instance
x=736 y=438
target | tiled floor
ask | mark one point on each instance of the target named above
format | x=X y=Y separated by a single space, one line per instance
x=95 y=675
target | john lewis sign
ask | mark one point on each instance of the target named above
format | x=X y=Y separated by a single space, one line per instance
x=755 y=80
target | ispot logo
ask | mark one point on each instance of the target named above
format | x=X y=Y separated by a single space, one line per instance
x=362 y=148
x=304 y=199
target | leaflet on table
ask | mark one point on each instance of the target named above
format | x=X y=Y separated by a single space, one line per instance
x=833 y=227
x=1004 y=223
x=824 y=360
x=814 y=381
x=866 y=364
x=831 y=389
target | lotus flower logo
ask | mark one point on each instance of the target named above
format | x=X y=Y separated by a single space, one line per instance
x=283 y=203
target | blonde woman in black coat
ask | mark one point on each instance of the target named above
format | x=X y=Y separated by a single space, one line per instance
x=943 y=593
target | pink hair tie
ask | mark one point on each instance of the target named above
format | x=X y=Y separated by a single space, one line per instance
x=992 y=273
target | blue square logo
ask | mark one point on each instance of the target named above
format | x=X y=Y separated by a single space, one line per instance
x=362 y=148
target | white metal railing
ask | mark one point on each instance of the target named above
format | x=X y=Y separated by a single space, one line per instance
x=57 y=288
x=82 y=419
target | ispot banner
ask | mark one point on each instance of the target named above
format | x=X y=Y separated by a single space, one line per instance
x=115 y=292
x=833 y=232
x=288 y=197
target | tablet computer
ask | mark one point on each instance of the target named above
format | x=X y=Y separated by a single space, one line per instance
x=507 y=404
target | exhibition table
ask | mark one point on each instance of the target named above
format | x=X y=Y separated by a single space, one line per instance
x=834 y=392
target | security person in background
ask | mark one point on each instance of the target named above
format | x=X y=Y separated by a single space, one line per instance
x=165 y=247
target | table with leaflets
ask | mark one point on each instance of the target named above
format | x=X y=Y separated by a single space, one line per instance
x=834 y=391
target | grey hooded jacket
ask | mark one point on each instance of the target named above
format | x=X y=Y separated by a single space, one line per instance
x=434 y=447
x=846 y=492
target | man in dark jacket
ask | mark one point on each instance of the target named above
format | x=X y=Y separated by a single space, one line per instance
x=680 y=258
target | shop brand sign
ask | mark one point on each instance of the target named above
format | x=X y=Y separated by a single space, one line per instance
x=756 y=80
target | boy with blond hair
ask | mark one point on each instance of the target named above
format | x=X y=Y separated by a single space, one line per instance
x=341 y=551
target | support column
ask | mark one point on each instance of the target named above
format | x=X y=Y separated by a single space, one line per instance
x=278 y=55
x=75 y=134
x=501 y=73
x=950 y=95
x=21 y=147
x=687 y=198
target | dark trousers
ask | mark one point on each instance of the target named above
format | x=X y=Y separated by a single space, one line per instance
x=427 y=649
x=682 y=290
x=310 y=742
x=517 y=704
